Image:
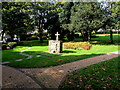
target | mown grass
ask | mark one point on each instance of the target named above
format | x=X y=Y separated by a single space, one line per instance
x=12 y=54
x=106 y=39
x=101 y=75
x=69 y=55
x=102 y=39
x=47 y=59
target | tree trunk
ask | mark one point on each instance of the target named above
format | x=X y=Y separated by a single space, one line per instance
x=111 y=36
x=70 y=36
x=89 y=36
x=41 y=39
x=62 y=34
x=12 y=36
x=52 y=31
x=40 y=32
x=85 y=36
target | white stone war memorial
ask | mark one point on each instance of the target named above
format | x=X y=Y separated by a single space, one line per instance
x=55 y=46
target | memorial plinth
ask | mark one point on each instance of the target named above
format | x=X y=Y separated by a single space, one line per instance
x=55 y=46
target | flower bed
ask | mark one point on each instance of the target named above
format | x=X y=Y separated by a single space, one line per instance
x=77 y=45
x=106 y=35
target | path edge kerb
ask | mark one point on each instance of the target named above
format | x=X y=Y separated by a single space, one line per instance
x=64 y=78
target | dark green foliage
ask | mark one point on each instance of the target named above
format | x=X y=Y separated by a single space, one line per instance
x=76 y=35
x=85 y=17
x=31 y=38
x=64 y=19
x=20 y=43
x=15 y=17
x=32 y=43
x=64 y=16
x=70 y=36
x=12 y=45
x=111 y=18
x=9 y=45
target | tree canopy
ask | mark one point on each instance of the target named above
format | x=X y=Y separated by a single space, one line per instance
x=65 y=17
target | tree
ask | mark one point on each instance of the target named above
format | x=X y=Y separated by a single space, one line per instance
x=115 y=18
x=64 y=19
x=45 y=15
x=15 y=17
x=53 y=24
x=25 y=16
x=115 y=9
x=112 y=17
x=86 y=17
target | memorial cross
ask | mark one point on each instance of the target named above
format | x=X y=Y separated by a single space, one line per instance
x=57 y=36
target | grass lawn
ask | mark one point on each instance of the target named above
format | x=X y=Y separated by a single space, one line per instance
x=106 y=39
x=46 y=59
x=102 y=39
x=13 y=54
x=101 y=75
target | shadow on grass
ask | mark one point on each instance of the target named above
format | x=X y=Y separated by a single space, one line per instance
x=101 y=40
x=32 y=43
x=68 y=51
x=46 y=59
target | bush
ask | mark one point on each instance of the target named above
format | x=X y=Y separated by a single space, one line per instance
x=94 y=36
x=4 y=46
x=77 y=45
x=9 y=40
x=31 y=38
x=45 y=36
x=76 y=35
x=30 y=43
x=70 y=37
x=12 y=44
x=20 y=43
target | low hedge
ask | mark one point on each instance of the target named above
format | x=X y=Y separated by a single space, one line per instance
x=12 y=44
x=32 y=38
x=9 y=45
x=77 y=45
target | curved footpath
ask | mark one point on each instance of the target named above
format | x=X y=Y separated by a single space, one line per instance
x=50 y=77
x=12 y=78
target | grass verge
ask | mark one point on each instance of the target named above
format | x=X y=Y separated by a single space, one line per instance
x=102 y=75
x=46 y=59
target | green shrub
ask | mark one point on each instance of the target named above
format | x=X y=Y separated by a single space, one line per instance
x=76 y=35
x=31 y=43
x=12 y=44
x=20 y=43
x=31 y=38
